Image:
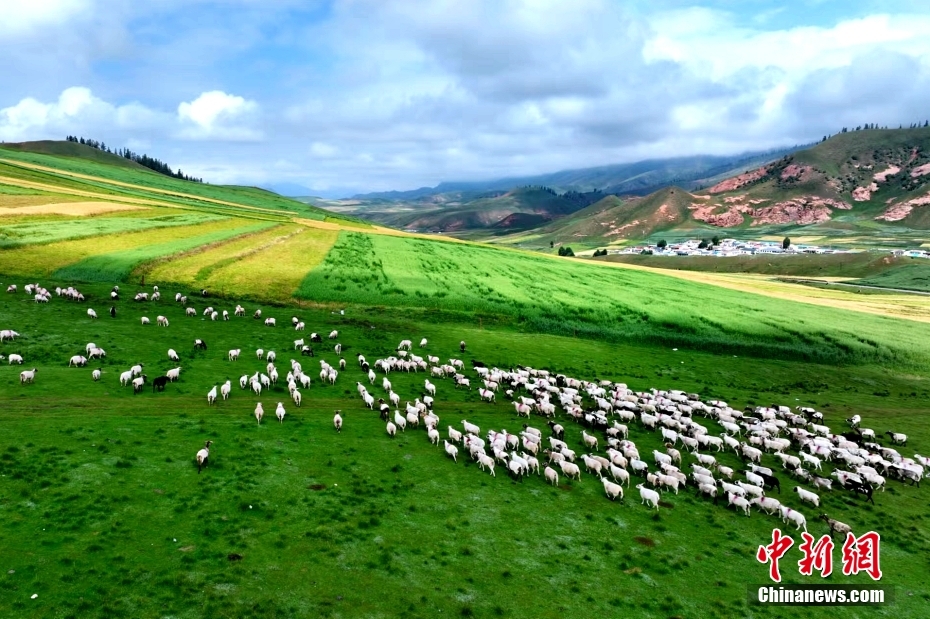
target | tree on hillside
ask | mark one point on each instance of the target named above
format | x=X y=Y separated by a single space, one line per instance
x=662 y=244
x=715 y=240
x=566 y=251
x=551 y=244
x=702 y=244
x=785 y=244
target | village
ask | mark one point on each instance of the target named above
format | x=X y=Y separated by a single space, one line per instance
x=735 y=247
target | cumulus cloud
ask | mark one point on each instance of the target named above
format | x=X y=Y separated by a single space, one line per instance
x=20 y=18
x=378 y=95
x=218 y=115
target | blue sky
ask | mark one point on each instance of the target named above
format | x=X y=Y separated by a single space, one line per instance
x=343 y=96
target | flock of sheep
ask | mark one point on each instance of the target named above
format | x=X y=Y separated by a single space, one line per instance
x=605 y=411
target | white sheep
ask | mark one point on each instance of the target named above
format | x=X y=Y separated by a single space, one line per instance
x=337 y=421
x=648 y=496
x=77 y=361
x=451 y=450
x=161 y=321
x=551 y=476
x=91 y=313
x=173 y=374
x=211 y=395
x=807 y=496
x=145 y=320
x=225 y=389
x=203 y=455
x=455 y=435
x=423 y=343
x=739 y=502
x=233 y=354
x=392 y=430
x=173 y=355
x=96 y=374
x=611 y=489
x=400 y=421
x=471 y=428
x=259 y=413
x=794 y=516
x=279 y=412
x=138 y=383
x=433 y=435
x=296 y=397
x=570 y=470
x=486 y=463
x=17 y=359
x=27 y=376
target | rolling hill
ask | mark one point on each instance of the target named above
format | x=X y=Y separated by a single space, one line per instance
x=869 y=183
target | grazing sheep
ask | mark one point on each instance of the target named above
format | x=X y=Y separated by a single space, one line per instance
x=259 y=413
x=551 y=476
x=333 y=335
x=279 y=412
x=423 y=343
x=17 y=359
x=198 y=343
x=91 y=313
x=589 y=440
x=77 y=361
x=738 y=502
x=807 y=496
x=96 y=375
x=161 y=321
x=234 y=353
x=146 y=321
x=897 y=438
x=648 y=496
x=836 y=525
x=27 y=376
x=138 y=383
x=570 y=469
x=202 y=456
x=611 y=489
x=172 y=355
x=159 y=383
x=173 y=374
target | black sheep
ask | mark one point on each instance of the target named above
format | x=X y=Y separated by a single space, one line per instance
x=159 y=383
x=770 y=481
x=113 y=312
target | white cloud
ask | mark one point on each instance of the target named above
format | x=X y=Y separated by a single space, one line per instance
x=20 y=17
x=218 y=115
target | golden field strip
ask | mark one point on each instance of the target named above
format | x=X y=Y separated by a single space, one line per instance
x=33 y=259
x=907 y=306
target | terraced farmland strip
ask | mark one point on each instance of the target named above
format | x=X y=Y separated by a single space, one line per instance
x=40 y=232
x=32 y=260
x=116 y=266
x=199 y=265
x=275 y=272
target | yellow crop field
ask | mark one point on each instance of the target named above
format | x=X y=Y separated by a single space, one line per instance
x=197 y=266
x=74 y=209
x=275 y=271
x=36 y=259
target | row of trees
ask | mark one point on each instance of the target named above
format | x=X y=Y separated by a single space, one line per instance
x=144 y=160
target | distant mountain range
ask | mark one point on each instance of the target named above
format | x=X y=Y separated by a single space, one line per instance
x=519 y=203
x=872 y=182
x=641 y=177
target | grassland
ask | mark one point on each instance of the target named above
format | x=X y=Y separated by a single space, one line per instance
x=104 y=514
x=49 y=231
x=572 y=297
